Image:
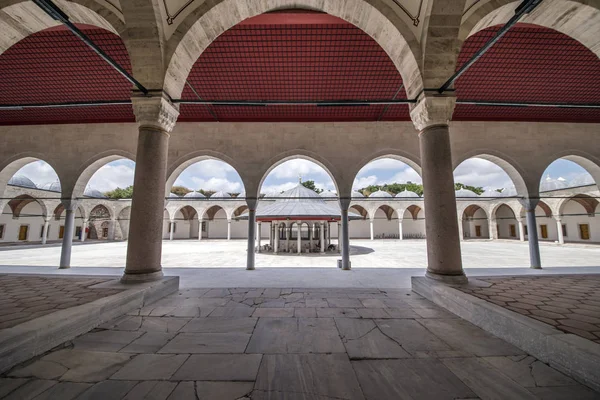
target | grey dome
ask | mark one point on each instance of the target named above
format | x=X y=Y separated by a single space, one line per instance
x=380 y=193
x=220 y=195
x=173 y=195
x=327 y=193
x=195 y=195
x=465 y=193
x=22 y=181
x=241 y=195
x=549 y=184
x=494 y=193
x=583 y=180
x=407 y=193
x=95 y=193
x=299 y=193
x=51 y=186
x=356 y=193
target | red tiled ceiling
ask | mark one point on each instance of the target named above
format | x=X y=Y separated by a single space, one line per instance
x=293 y=56
x=54 y=66
x=529 y=64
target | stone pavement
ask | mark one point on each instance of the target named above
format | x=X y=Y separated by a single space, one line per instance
x=293 y=344
x=570 y=303
x=23 y=298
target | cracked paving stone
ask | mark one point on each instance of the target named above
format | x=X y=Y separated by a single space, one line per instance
x=31 y=389
x=529 y=372
x=223 y=390
x=85 y=366
x=220 y=325
x=107 y=390
x=154 y=390
x=151 y=367
x=64 y=391
x=206 y=343
x=363 y=340
x=219 y=367
x=105 y=340
x=150 y=342
x=411 y=335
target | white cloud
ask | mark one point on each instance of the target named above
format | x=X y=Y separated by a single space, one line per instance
x=484 y=173
x=112 y=176
x=276 y=189
x=217 y=184
x=407 y=175
x=293 y=168
x=365 y=181
x=209 y=169
x=383 y=164
x=39 y=172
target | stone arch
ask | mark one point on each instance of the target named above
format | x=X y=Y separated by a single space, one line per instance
x=60 y=208
x=492 y=212
x=236 y=212
x=10 y=166
x=470 y=210
x=212 y=211
x=578 y=19
x=123 y=217
x=543 y=206
x=21 y=18
x=414 y=211
x=182 y=163
x=387 y=210
x=188 y=211
x=302 y=155
x=512 y=168
x=205 y=24
x=360 y=209
x=586 y=161
x=100 y=211
x=17 y=204
x=589 y=203
x=91 y=166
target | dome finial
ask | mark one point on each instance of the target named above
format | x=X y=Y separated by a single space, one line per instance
x=299 y=178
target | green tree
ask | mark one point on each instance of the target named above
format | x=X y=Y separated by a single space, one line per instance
x=180 y=190
x=119 y=193
x=311 y=185
x=476 y=189
x=207 y=193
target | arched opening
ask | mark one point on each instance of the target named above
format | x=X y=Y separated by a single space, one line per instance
x=100 y=224
x=385 y=223
x=123 y=219
x=201 y=178
x=569 y=175
x=216 y=222
x=475 y=223
x=21 y=218
x=289 y=171
x=546 y=225
x=107 y=177
x=489 y=177
x=413 y=222
x=31 y=174
x=506 y=220
x=239 y=226
x=577 y=219
x=391 y=175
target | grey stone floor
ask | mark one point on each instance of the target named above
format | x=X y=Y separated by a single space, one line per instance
x=292 y=344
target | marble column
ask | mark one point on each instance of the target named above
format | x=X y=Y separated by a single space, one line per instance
x=371 y=228
x=339 y=237
x=430 y=116
x=84 y=227
x=111 y=229
x=276 y=245
x=200 y=229
x=299 y=238
x=171 y=229
x=322 y=237
x=67 y=241
x=311 y=230
x=258 y=237
x=45 y=231
x=493 y=228
x=228 y=229
x=400 y=232
x=344 y=205
x=532 y=234
x=521 y=230
x=561 y=237
x=271 y=234
x=156 y=117
x=251 y=232
x=288 y=233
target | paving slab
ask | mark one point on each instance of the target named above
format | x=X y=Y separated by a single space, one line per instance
x=363 y=340
x=411 y=335
x=409 y=379
x=578 y=392
x=328 y=375
x=223 y=390
x=151 y=367
x=295 y=335
x=149 y=342
x=7 y=385
x=64 y=391
x=105 y=340
x=337 y=312
x=462 y=335
x=207 y=343
x=184 y=391
x=529 y=372
x=154 y=390
x=232 y=312
x=107 y=390
x=31 y=389
x=274 y=312
x=163 y=324
x=220 y=325
x=219 y=367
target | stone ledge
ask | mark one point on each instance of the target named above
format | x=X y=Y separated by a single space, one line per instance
x=31 y=338
x=570 y=354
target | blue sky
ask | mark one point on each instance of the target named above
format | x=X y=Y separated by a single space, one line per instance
x=217 y=175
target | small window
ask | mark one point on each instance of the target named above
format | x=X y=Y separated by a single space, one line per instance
x=478 y=230
x=525 y=230
x=584 y=231
x=61 y=232
x=564 y=229
x=23 y=231
x=513 y=230
x=104 y=232
x=42 y=232
x=544 y=229
x=1 y=231
x=203 y=226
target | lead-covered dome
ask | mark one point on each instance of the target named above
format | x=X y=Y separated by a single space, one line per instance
x=328 y=194
x=94 y=193
x=494 y=193
x=220 y=195
x=195 y=195
x=173 y=196
x=357 y=194
x=22 y=181
x=51 y=186
x=407 y=193
x=549 y=184
x=380 y=193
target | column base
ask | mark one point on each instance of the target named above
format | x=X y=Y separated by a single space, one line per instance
x=64 y=267
x=450 y=279
x=136 y=278
x=250 y=268
x=535 y=267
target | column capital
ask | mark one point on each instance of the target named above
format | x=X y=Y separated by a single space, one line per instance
x=345 y=203
x=155 y=112
x=69 y=204
x=530 y=203
x=557 y=218
x=252 y=202
x=432 y=109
